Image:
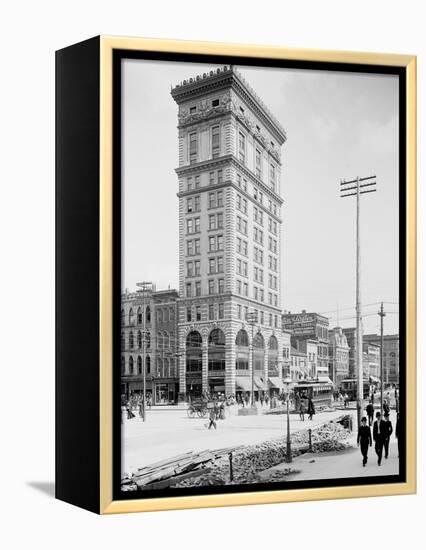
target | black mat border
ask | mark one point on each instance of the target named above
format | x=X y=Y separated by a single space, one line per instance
x=118 y=56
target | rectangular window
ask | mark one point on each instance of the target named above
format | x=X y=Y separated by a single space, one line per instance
x=219 y=176
x=197 y=246
x=212 y=200
x=198 y=288
x=220 y=264
x=212 y=265
x=211 y=286
x=245 y=289
x=262 y=320
x=220 y=242
x=212 y=221
x=220 y=198
x=239 y=311
x=255 y=292
x=197 y=182
x=197 y=267
x=273 y=181
x=239 y=180
x=242 y=147
x=215 y=142
x=197 y=203
x=190 y=226
x=212 y=244
x=193 y=148
x=211 y=178
x=189 y=248
x=189 y=205
x=211 y=312
x=220 y=221
x=221 y=311
x=197 y=225
x=258 y=163
x=189 y=183
x=221 y=287
x=198 y=313
x=239 y=287
x=188 y=290
x=189 y=269
x=215 y=103
x=188 y=315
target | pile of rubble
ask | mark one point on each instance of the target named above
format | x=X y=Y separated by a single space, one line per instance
x=238 y=465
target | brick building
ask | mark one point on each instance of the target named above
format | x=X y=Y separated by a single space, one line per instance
x=230 y=201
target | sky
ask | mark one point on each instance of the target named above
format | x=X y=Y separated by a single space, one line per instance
x=338 y=125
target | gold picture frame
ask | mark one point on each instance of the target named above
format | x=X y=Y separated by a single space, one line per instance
x=107 y=46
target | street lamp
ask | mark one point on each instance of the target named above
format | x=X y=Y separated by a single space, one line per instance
x=251 y=319
x=288 y=458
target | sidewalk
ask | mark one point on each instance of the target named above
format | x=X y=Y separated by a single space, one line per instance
x=337 y=465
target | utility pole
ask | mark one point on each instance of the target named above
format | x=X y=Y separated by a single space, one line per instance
x=358 y=189
x=381 y=314
x=145 y=288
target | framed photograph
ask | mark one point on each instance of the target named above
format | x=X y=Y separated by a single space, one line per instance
x=235 y=269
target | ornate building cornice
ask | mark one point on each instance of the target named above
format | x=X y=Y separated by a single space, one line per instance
x=226 y=77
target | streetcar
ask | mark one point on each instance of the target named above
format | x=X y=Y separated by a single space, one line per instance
x=349 y=386
x=321 y=393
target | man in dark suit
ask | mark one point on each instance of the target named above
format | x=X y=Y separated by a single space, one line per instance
x=364 y=440
x=370 y=412
x=379 y=430
x=387 y=432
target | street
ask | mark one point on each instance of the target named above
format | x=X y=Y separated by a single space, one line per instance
x=167 y=433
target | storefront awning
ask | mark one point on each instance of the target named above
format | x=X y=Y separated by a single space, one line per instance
x=276 y=382
x=243 y=383
x=259 y=383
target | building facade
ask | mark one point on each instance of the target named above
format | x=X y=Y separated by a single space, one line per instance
x=390 y=355
x=338 y=352
x=149 y=342
x=230 y=204
x=310 y=326
x=371 y=360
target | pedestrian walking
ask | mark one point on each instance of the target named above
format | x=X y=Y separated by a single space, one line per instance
x=370 y=412
x=346 y=399
x=141 y=407
x=387 y=432
x=364 y=440
x=378 y=433
x=261 y=400
x=386 y=408
x=398 y=433
x=212 y=417
x=311 y=409
x=302 y=410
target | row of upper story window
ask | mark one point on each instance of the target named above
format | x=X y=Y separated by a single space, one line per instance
x=165 y=366
x=215 y=221
x=211 y=313
x=195 y=288
x=259 y=156
x=242 y=244
x=263 y=318
x=215 y=265
x=161 y=340
x=216 y=177
x=242 y=288
x=215 y=200
x=242 y=227
x=135 y=316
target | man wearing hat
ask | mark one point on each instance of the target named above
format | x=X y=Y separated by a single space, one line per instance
x=387 y=432
x=378 y=436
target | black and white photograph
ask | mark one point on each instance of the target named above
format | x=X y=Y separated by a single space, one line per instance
x=260 y=277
